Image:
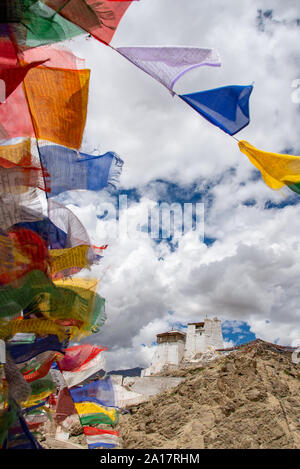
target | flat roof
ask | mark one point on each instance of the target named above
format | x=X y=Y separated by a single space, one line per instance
x=170 y=332
x=196 y=323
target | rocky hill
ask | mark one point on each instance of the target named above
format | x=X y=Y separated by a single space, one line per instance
x=249 y=398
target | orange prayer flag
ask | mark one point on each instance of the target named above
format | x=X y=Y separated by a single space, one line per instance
x=58 y=100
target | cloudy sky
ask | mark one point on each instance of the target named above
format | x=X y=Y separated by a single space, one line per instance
x=246 y=269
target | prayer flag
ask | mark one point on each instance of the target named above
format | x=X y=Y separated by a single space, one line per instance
x=168 y=64
x=226 y=107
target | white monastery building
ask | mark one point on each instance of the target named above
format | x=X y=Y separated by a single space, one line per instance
x=176 y=347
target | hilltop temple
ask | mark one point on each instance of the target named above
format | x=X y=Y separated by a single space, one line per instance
x=176 y=347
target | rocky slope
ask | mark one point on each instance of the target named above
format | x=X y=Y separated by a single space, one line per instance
x=247 y=399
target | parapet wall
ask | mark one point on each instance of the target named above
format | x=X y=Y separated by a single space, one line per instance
x=150 y=385
x=134 y=390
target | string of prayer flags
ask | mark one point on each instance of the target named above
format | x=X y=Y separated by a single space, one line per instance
x=71 y=170
x=60 y=115
x=168 y=64
x=276 y=169
x=226 y=107
x=100 y=19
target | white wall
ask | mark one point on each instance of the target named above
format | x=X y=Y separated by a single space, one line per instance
x=167 y=353
x=213 y=333
x=195 y=341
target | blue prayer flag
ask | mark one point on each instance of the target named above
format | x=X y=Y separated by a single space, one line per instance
x=226 y=107
x=72 y=170
x=100 y=392
x=24 y=352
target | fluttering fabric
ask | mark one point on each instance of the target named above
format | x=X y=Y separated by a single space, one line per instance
x=100 y=391
x=12 y=71
x=16 y=296
x=71 y=170
x=94 y=414
x=40 y=389
x=39 y=367
x=12 y=125
x=24 y=352
x=226 y=107
x=276 y=169
x=31 y=23
x=21 y=250
x=100 y=19
x=51 y=105
x=20 y=207
x=99 y=438
x=65 y=405
x=40 y=327
x=19 y=170
x=16 y=179
x=78 y=356
x=61 y=229
x=68 y=305
x=65 y=220
x=81 y=303
x=61 y=260
x=60 y=116
x=76 y=377
x=57 y=56
x=168 y=64
x=54 y=237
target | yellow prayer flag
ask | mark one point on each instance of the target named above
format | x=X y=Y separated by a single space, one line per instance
x=92 y=408
x=276 y=169
x=63 y=259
